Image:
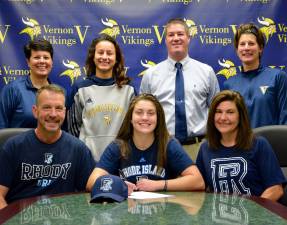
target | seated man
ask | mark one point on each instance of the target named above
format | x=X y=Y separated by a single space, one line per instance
x=46 y=160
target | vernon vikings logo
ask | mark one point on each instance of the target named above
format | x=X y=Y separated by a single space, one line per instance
x=191 y=27
x=112 y=29
x=33 y=28
x=73 y=71
x=48 y=158
x=146 y=64
x=228 y=70
x=268 y=28
x=106 y=184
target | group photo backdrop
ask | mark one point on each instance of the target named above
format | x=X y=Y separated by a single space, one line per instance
x=138 y=26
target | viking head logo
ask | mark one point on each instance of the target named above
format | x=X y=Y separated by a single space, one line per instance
x=112 y=29
x=33 y=28
x=268 y=28
x=191 y=27
x=146 y=64
x=73 y=71
x=228 y=70
x=107 y=120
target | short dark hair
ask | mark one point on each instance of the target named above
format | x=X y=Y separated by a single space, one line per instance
x=244 y=135
x=52 y=88
x=249 y=28
x=38 y=45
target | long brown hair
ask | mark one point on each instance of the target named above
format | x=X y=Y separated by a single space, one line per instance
x=161 y=133
x=244 y=135
x=119 y=73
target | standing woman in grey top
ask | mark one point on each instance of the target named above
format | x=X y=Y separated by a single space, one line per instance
x=200 y=85
x=98 y=104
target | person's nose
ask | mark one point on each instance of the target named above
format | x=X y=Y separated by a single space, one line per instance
x=42 y=59
x=53 y=112
x=105 y=56
x=223 y=116
x=175 y=37
x=246 y=46
x=145 y=116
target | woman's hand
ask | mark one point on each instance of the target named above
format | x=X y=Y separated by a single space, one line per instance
x=150 y=185
x=131 y=187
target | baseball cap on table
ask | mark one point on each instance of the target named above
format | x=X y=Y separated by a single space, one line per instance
x=109 y=188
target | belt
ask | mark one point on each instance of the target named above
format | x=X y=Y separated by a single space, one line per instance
x=193 y=140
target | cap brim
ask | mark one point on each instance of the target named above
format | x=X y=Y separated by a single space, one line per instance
x=106 y=197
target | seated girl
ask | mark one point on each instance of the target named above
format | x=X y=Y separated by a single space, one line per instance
x=145 y=155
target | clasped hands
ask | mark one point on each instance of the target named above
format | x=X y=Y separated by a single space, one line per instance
x=145 y=185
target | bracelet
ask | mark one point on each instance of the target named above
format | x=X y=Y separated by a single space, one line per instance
x=165 y=185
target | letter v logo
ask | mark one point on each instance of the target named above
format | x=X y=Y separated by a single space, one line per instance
x=157 y=33
x=3 y=36
x=79 y=32
x=264 y=89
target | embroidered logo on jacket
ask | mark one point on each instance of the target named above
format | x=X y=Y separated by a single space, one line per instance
x=264 y=89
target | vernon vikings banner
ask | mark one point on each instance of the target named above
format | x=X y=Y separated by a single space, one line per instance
x=138 y=26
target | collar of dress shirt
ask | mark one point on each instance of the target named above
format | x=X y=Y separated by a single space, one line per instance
x=183 y=62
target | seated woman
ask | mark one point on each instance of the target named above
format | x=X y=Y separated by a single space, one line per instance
x=145 y=155
x=232 y=160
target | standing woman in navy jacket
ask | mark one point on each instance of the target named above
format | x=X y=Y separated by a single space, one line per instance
x=18 y=97
x=264 y=89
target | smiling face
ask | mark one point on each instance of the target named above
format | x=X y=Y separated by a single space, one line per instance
x=50 y=111
x=40 y=63
x=105 y=59
x=144 y=117
x=226 y=118
x=177 y=41
x=249 y=51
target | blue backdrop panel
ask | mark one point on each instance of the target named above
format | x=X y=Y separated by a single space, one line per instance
x=138 y=26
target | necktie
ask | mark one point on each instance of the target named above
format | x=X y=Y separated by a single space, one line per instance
x=180 y=116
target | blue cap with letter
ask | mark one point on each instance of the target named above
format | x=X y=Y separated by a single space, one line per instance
x=109 y=188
